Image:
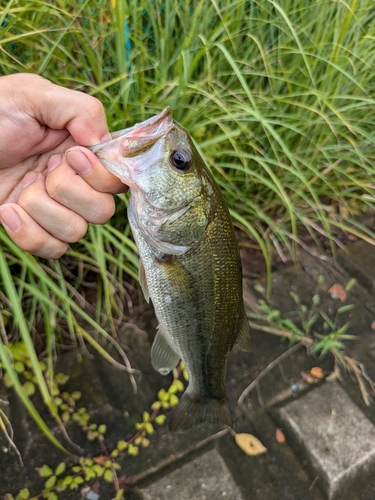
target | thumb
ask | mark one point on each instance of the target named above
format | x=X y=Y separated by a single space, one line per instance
x=61 y=108
x=87 y=126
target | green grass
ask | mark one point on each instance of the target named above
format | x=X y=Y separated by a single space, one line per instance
x=279 y=97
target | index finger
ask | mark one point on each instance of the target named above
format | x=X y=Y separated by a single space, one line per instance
x=87 y=165
x=60 y=108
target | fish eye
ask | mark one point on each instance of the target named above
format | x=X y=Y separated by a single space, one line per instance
x=181 y=159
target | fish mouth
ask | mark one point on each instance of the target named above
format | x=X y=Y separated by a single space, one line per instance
x=134 y=140
x=119 y=154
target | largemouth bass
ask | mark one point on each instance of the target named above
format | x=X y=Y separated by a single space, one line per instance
x=189 y=260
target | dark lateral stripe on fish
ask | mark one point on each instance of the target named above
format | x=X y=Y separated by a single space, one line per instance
x=193 y=410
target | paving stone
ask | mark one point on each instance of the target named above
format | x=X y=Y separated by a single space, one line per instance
x=334 y=272
x=276 y=475
x=316 y=276
x=204 y=478
x=83 y=377
x=117 y=384
x=362 y=350
x=359 y=260
x=335 y=437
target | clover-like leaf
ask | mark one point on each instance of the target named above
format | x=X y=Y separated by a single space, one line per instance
x=60 y=469
x=45 y=471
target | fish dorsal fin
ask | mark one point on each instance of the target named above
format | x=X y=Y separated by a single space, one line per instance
x=244 y=340
x=163 y=357
x=143 y=280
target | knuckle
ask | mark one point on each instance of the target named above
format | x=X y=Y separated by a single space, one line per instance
x=53 y=251
x=96 y=107
x=58 y=189
x=44 y=246
x=74 y=231
x=56 y=253
x=103 y=211
x=29 y=199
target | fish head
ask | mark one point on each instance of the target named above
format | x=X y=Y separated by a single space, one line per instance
x=157 y=160
x=168 y=180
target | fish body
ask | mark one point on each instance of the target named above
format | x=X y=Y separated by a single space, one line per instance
x=189 y=260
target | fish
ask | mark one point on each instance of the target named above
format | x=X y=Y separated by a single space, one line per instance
x=189 y=261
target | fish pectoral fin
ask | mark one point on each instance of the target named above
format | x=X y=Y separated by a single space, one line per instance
x=244 y=340
x=143 y=280
x=171 y=248
x=163 y=246
x=193 y=410
x=180 y=279
x=163 y=357
x=159 y=241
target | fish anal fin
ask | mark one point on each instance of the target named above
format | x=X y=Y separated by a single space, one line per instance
x=143 y=280
x=163 y=357
x=244 y=340
x=193 y=410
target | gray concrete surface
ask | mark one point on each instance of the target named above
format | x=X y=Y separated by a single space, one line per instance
x=334 y=435
x=206 y=477
x=330 y=432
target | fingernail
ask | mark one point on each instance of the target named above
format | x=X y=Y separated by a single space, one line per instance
x=28 y=179
x=78 y=161
x=54 y=161
x=106 y=138
x=9 y=219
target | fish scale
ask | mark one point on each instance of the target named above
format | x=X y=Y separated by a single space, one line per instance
x=189 y=260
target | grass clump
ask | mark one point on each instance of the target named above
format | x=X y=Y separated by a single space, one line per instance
x=279 y=97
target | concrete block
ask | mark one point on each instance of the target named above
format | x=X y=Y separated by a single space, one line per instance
x=204 y=478
x=334 y=436
x=359 y=260
x=360 y=295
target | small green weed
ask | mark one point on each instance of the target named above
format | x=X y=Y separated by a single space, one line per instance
x=104 y=466
x=304 y=330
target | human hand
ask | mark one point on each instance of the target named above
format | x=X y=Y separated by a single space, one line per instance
x=48 y=191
